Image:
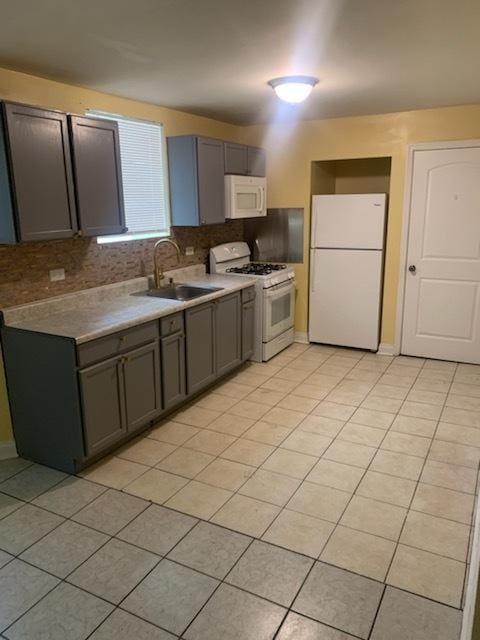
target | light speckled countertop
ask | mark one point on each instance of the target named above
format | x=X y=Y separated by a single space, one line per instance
x=97 y=312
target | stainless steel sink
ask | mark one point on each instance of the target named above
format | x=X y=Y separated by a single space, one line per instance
x=180 y=292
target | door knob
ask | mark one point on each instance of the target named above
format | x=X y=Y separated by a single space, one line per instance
x=412 y=268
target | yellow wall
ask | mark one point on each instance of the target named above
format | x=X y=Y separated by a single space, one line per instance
x=21 y=87
x=292 y=148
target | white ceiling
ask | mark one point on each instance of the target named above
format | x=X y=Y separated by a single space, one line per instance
x=214 y=57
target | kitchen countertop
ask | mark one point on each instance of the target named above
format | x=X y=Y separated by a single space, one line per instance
x=97 y=312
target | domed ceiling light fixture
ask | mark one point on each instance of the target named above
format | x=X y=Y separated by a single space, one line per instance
x=293 y=89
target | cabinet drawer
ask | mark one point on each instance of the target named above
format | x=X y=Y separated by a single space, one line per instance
x=248 y=294
x=111 y=345
x=171 y=324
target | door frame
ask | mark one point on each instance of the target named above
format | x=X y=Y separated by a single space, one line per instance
x=396 y=348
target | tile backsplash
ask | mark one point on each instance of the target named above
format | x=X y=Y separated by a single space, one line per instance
x=24 y=268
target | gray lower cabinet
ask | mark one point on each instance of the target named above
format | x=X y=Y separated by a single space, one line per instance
x=101 y=388
x=142 y=386
x=213 y=334
x=72 y=403
x=174 y=389
x=228 y=333
x=119 y=396
x=200 y=346
x=248 y=329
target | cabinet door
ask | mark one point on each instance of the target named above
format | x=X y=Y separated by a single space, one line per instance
x=141 y=372
x=98 y=176
x=248 y=329
x=173 y=370
x=256 y=162
x=102 y=404
x=235 y=158
x=228 y=318
x=210 y=175
x=41 y=172
x=200 y=346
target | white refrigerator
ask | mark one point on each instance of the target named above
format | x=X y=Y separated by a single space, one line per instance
x=346 y=269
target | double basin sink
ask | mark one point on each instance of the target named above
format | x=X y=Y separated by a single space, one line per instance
x=181 y=292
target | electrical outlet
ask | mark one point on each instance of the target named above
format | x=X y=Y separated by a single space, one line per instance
x=189 y=251
x=56 y=275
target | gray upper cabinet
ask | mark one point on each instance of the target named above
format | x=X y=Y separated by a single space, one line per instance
x=141 y=373
x=98 y=176
x=235 y=158
x=200 y=346
x=196 y=172
x=40 y=174
x=228 y=332
x=243 y=160
x=101 y=389
x=256 y=162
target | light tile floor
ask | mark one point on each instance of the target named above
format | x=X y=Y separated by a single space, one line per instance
x=327 y=493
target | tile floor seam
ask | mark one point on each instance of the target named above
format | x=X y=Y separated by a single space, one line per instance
x=414 y=492
x=33 y=605
x=275 y=448
x=377 y=612
x=35 y=497
x=31 y=501
x=220 y=582
x=418 y=482
x=353 y=494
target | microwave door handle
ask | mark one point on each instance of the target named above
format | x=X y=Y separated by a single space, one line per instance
x=261 y=193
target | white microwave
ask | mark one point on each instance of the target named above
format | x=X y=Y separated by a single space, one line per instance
x=245 y=197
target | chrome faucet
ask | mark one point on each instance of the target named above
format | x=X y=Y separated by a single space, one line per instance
x=158 y=268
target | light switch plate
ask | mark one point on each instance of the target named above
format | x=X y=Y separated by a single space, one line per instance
x=56 y=275
x=189 y=251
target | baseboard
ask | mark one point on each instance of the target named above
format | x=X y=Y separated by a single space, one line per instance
x=8 y=450
x=301 y=337
x=386 y=349
x=472 y=582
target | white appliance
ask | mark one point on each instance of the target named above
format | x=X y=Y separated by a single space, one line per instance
x=346 y=269
x=245 y=197
x=274 y=300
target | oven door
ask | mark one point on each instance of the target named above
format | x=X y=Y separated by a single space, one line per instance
x=279 y=309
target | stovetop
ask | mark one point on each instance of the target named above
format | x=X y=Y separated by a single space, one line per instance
x=257 y=268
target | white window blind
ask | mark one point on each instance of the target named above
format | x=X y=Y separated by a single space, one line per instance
x=143 y=156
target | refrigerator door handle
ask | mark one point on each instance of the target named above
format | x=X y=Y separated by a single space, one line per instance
x=312 y=272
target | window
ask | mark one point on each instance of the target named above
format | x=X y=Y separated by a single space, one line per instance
x=144 y=176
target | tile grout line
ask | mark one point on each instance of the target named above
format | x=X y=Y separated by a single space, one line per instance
x=418 y=482
x=276 y=447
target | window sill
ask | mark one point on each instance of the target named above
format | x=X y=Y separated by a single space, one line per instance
x=127 y=237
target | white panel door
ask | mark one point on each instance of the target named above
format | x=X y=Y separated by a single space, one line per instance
x=345 y=288
x=348 y=221
x=442 y=302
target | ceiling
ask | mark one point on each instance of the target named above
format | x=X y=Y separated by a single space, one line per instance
x=214 y=57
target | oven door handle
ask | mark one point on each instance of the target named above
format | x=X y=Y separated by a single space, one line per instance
x=280 y=288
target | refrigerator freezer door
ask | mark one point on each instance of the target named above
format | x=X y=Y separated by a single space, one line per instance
x=345 y=292
x=348 y=221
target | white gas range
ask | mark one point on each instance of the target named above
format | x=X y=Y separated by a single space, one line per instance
x=275 y=296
